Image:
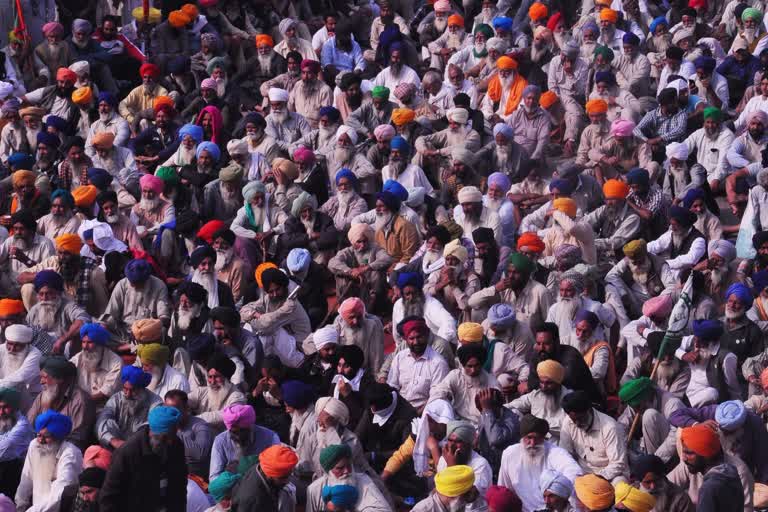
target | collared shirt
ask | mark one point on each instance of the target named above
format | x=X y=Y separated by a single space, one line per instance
x=224 y=450
x=600 y=449
x=670 y=128
x=342 y=60
x=414 y=376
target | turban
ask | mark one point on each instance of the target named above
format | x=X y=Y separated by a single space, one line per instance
x=162 y=102
x=742 y=292
x=501 y=316
x=659 y=306
x=147 y=330
x=638 y=176
x=502 y=23
x=310 y=65
x=264 y=39
x=701 y=440
x=152 y=182
x=344 y=172
x=297 y=394
x=327 y=335
x=521 y=262
x=58 y=425
x=552 y=370
x=556 y=483
x=499 y=180
x=705 y=63
x=178 y=19
x=635 y=248
x=200 y=253
x=154 y=17
x=622 y=128
x=50 y=279
x=633 y=499
x=237 y=147
x=504 y=129
x=190 y=10
x=103 y=140
x=731 y=415
x=149 y=69
x=285 y=25
x=677 y=150
x=400 y=144
x=464 y=430
x=645 y=464
x=298 y=260
x=253 y=188
x=97 y=457
x=633 y=392
x=208 y=83
x=506 y=63
x=107 y=97
x=19 y=333
x=565 y=205
x=713 y=113
x=238 y=415
x=402 y=116
x=615 y=189
x=564 y=186
x=454 y=481
x=304 y=199
x=682 y=215
x=604 y=76
x=49 y=139
x=538 y=11
x=760 y=280
x=22 y=178
x=163 y=418
x=708 y=329
x=547 y=99
x=277 y=95
x=750 y=13
x=470 y=194
x=358 y=230
x=605 y=52
x=211 y=148
x=32 y=112
x=384 y=132
x=723 y=248
x=167 y=174
x=10 y=105
x=470 y=332
x=58 y=367
x=351 y=306
x=273 y=276
x=404 y=90
x=410 y=279
x=193 y=130
x=69 y=243
x=304 y=156
x=458 y=115
x=81 y=25
x=630 y=38
x=660 y=20
x=11 y=307
x=135 y=376
x=278 y=460
x=208 y=229
x=101 y=179
x=380 y=92
x=344 y=497
x=609 y=15
x=227 y=316
x=554 y=21
x=691 y=196
x=390 y=200
x=221 y=486
x=531 y=241
x=332 y=454
x=82 y=96
x=456 y=250
x=455 y=20
x=576 y=401
x=502 y=499
x=154 y=353
x=759 y=116
x=351 y=133
x=593 y=491
x=414 y=325
x=531 y=89
x=95 y=332
x=530 y=423
x=334 y=407
x=597 y=106
x=53 y=28
x=568 y=254
x=222 y=364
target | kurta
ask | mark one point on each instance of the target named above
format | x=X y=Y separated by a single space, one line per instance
x=601 y=449
x=460 y=390
x=119 y=421
x=370 y=497
x=40 y=490
x=541 y=405
x=307 y=100
x=202 y=405
x=105 y=379
x=128 y=304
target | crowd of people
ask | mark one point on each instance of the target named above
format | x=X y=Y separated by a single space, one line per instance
x=379 y=256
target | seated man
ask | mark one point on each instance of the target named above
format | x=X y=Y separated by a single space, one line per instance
x=154 y=360
x=682 y=245
x=195 y=433
x=355 y=326
x=21 y=251
x=545 y=401
x=650 y=472
x=414 y=302
x=242 y=346
x=203 y=261
x=571 y=299
x=152 y=211
x=241 y=439
x=20 y=362
x=98 y=368
x=61 y=219
x=56 y=313
x=15 y=435
x=207 y=402
x=596 y=351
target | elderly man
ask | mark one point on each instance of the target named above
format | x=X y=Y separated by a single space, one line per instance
x=55 y=312
x=203 y=261
x=51 y=464
x=242 y=346
x=127 y=411
x=309 y=94
x=242 y=438
x=414 y=302
x=308 y=228
x=61 y=219
x=471 y=214
x=292 y=42
x=372 y=114
x=207 y=402
x=567 y=77
x=615 y=223
x=683 y=245
x=284 y=126
x=503 y=153
x=712 y=143
x=571 y=300
x=399 y=238
x=20 y=362
x=566 y=229
x=222 y=197
x=119 y=223
x=152 y=210
x=142 y=97
x=650 y=472
x=346 y=204
x=15 y=433
x=322 y=138
x=437 y=147
x=109 y=122
x=23 y=250
x=505 y=91
x=345 y=155
x=56 y=99
x=154 y=360
x=98 y=368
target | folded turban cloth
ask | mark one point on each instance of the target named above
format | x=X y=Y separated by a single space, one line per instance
x=505 y=63
x=596 y=106
x=605 y=52
x=522 y=263
x=638 y=176
x=222 y=364
x=264 y=39
x=531 y=89
x=635 y=248
x=760 y=280
x=152 y=182
x=253 y=188
x=552 y=370
x=302 y=201
x=456 y=250
x=50 y=279
x=731 y=415
x=454 y=481
x=503 y=129
x=238 y=415
x=221 y=486
x=273 y=276
x=342 y=496
x=701 y=440
x=404 y=90
x=53 y=28
x=742 y=292
x=410 y=279
x=22 y=178
x=167 y=174
x=107 y=97
x=345 y=173
x=277 y=95
x=470 y=332
x=759 y=116
x=81 y=25
x=414 y=325
x=630 y=38
x=502 y=23
x=327 y=335
x=19 y=333
x=566 y=205
x=502 y=499
x=103 y=140
x=750 y=13
x=298 y=260
x=723 y=248
x=556 y=483
x=402 y=116
x=681 y=35
x=297 y=394
x=208 y=83
x=356 y=231
x=190 y=10
x=657 y=22
x=547 y=99
x=10 y=105
x=11 y=307
x=458 y=115
x=334 y=408
x=538 y=11
x=351 y=306
x=590 y=25
x=49 y=139
x=615 y=189
x=278 y=460
x=304 y=156
x=95 y=332
x=310 y=65
x=138 y=270
x=501 y=316
x=708 y=329
x=565 y=187
x=499 y=180
x=237 y=147
x=208 y=229
x=677 y=150
x=384 y=132
x=101 y=179
x=351 y=133
x=58 y=367
x=193 y=130
x=332 y=454
x=211 y=148
x=633 y=392
x=705 y=63
x=155 y=15
x=400 y=144
x=97 y=457
x=69 y=243
x=530 y=423
x=567 y=254
x=622 y=128
x=531 y=242
x=470 y=194
x=633 y=499
x=455 y=20
x=605 y=77
x=713 y=113
x=58 y=425
x=659 y=306
x=147 y=330
x=200 y=253
x=163 y=418
x=178 y=19
x=380 y=92
x=682 y=215
x=593 y=491
x=135 y=376
x=585 y=315
x=554 y=21
x=65 y=75
x=691 y=196
x=82 y=96
x=154 y=354
x=390 y=200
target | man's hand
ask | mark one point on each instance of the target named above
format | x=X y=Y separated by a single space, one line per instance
x=451 y=453
x=116 y=443
x=641 y=329
x=262 y=385
x=58 y=345
x=344 y=388
x=711 y=424
x=503 y=284
x=691 y=357
x=484 y=396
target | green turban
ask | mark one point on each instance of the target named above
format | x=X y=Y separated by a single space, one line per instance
x=331 y=455
x=751 y=13
x=713 y=112
x=484 y=29
x=605 y=52
x=380 y=92
x=167 y=174
x=221 y=486
x=635 y=391
x=216 y=62
x=10 y=396
x=521 y=262
x=464 y=430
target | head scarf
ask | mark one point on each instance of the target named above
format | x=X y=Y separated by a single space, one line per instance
x=593 y=491
x=701 y=440
x=58 y=425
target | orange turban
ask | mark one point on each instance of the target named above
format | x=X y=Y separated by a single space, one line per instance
x=401 y=116
x=701 y=440
x=565 y=205
x=69 y=242
x=538 y=11
x=179 y=19
x=21 y=178
x=190 y=10
x=609 y=15
x=454 y=20
x=615 y=189
x=597 y=106
x=505 y=63
x=162 y=101
x=85 y=195
x=263 y=39
x=547 y=99
x=11 y=307
x=103 y=140
x=594 y=492
x=530 y=241
x=278 y=461
x=261 y=269
x=82 y=96
x=98 y=457
x=65 y=75
x=764 y=378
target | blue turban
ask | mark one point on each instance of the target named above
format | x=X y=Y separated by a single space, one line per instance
x=630 y=38
x=760 y=280
x=346 y=173
x=194 y=131
x=682 y=215
x=99 y=178
x=107 y=97
x=58 y=425
x=691 y=196
x=332 y=113
x=210 y=147
x=661 y=20
x=742 y=293
x=395 y=46
x=201 y=346
x=588 y=316
x=298 y=260
x=706 y=63
x=504 y=129
x=390 y=200
x=399 y=143
x=394 y=187
x=342 y=496
x=605 y=76
x=590 y=25
x=56 y=122
x=502 y=22
x=21 y=161
x=162 y=419
x=638 y=176
x=564 y=186
x=135 y=376
x=138 y=271
x=66 y=195
x=97 y=334
x=501 y=315
x=708 y=329
x=410 y=279
x=49 y=278
x=297 y=394
x=731 y=415
x=48 y=139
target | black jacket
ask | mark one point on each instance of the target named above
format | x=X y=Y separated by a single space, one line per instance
x=577 y=374
x=253 y=493
x=386 y=439
x=295 y=236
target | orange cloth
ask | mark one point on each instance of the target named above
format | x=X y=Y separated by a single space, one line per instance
x=615 y=189
x=190 y=10
x=98 y=457
x=11 y=307
x=278 y=461
x=401 y=116
x=530 y=240
x=65 y=75
x=505 y=62
x=566 y=205
x=701 y=440
x=263 y=39
x=82 y=96
x=609 y=15
x=179 y=19
x=597 y=106
x=261 y=269
x=538 y=11
x=455 y=20
x=611 y=384
x=162 y=100
x=22 y=178
x=548 y=99
x=85 y=195
x=595 y=492
x=103 y=140
x=69 y=242
x=764 y=378
x=515 y=94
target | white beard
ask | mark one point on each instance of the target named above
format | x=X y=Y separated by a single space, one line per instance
x=92 y=359
x=20 y=243
x=12 y=362
x=265 y=61
x=479 y=47
x=325 y=134
x=186 y=155
x=534 y=462
x=666 y=372
x=112 y=219
x=502 y=156
x=47 y=317
x=59 y=220
x=185 y=317
x=207 y=281
x=230 y=199
x=342 y=155
x=733 y=315
x=221 y=86
x=344 y=197
x=49 y=393
x=45 y=461
x=223 y=258
x=640 y=272
x=457 y=137
x=382 y=220
x=6 y=424
x=441 y=24
x=749 y=34
x=280 y=116
x=217 y=396
x=493 y=204
x=716 y=276
x=506 y=82
x=455 y=40
x=157 y=376
x=327 y=437
x=104 y=117
x=309 y=224
x=345 y=480
x=149 y=204
x=570 y=306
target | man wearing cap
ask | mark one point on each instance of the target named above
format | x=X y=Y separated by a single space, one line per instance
x=309 y=94
x=52 y=463
x=283 y=125
x=207 y=402
x=265 y=486
x=242 y=438
x=20 y=362
x=126 y=411
x=98 y=368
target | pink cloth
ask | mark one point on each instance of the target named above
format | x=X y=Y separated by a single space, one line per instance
x=208 y=83
x=153 y=182
x=304 y=156
x=241 y=416
x=658 y=306
x=622 y=128
x=351 y=306
x=216 y=119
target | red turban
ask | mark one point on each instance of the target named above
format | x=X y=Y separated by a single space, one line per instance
x=208 y=229
x=701 y=440
x=149 y=69
x=531 y=241
x=554 y=20
x=417 y=325
x=501 y=499
x=65 y=75
x=310 y=65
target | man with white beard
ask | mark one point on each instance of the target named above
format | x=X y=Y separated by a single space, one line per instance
x=265 y=65
x=126 y=411
x=615 y=223
x=346 y=204
x=230 y=269
x=401 y=170
x=223 y=196
x=61 y=219
x=152 y=210
x=742 y=336
x=122 y=228
x=109 y=121
x=571 y=300
x=154 y=361
x=336 y=461
x=15 y=435
x=98 y=368
x=254 y=165
x=472 y=58
x=207 y=402
x=711 y=143
x=284 y=126
x=203 y=260
x=109 y=156
x=22 y=250
x=346 y=156
x=191 y=316
x=720 y=269
x=20 y=362
x=448 y=43
x=242 y=438
x=51 y=464
x=143 y=96
x=596 y=351
x=435 y=149
x=522 y=464
x=503 y=154
x=672 y=375
x=322 y=138
x=471 y=214
x=55 y=312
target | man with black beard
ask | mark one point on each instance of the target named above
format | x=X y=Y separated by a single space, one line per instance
x=203 y=260
x=683 y=245
x=98 y=367
x=15 y=435
x=240 y=345
x=48 y=157
x=372 y=114
x=56 y=99
x=352 y=96
x=122 y=228
x=61 y=219
x=20 y=362
x=126 y=411
x=650 y=473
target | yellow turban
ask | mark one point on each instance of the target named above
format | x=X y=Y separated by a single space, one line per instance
x=21 y=178
x=455 y=249
x=634 y=499
x=147 y=330
x=609 y=15
x=552 y=370
x=565 y=205
x=85 y=195
x=597 y=106
x=470 y=332
x=69 y=242
x=401 y=116
x=455 y=481
x=635 y=248
x=82 y=96
x=155 y=15
x=103 y=140
x=179 y=19
x=547 y=99
x=154 y=354
x=594 y=492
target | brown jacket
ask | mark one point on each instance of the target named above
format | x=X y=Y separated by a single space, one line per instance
x=74 y=403
x=400 y=239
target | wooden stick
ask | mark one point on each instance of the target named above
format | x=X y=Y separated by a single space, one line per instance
x=637 y=416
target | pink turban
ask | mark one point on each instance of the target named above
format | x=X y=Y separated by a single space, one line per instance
x=384 y=131
x=242 y=416
x=208 y=83
x=152 y=182
x=622 y=128
x=53 y=28
x=304 y=156
x=351 y=306
x=759 y=115
x=658 y=306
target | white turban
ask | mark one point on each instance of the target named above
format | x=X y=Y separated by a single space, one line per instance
x=327 y=335
x=416 y=197
x=18 y=333
x=496 y=43
x=348 y=131
x=458 y=115
x=678 y=151
x=237 y=147
x=556 y=483
x=6 y=89
x=470 y=195
x=678 y=85
x=334 y=407
x=80 y=68
x=722 y=248
x=285 y=25
x=278 y=95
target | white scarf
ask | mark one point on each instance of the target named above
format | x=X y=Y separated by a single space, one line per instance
x=381 y=417
x=354 y=383
x=441 y=412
